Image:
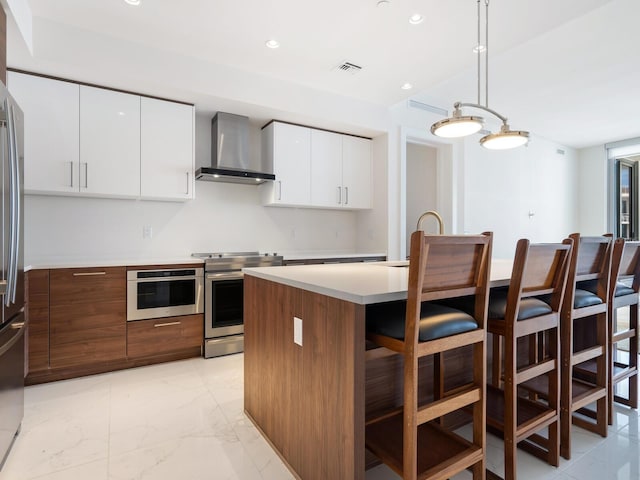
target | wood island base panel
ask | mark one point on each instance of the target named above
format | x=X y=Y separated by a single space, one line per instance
x=307 y=400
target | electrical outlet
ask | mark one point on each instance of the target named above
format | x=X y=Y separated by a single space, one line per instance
x=297 y=331
x=147 y=231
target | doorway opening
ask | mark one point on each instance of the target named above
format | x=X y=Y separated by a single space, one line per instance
x=421 y=187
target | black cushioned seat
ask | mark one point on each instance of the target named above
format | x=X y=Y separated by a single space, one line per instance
x=436 y=321
x=581 y=299
x=592 y=286
x=529 y=307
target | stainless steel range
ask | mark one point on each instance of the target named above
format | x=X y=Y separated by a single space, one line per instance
x=223 y=301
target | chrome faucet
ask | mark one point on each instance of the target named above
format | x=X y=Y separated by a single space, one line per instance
x=432 y=213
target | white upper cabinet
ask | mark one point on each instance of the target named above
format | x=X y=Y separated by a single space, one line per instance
x=316 y=168
x=326 y=169
x=340 y=171
x=90 y=141
x=167 y=150
x=109 y=142
x=356 y=172
x=288 y=149
x=51 y=115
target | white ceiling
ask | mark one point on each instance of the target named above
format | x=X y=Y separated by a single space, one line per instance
x=550 y=61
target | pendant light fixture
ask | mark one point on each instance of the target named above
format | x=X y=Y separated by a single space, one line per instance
x=459 y=125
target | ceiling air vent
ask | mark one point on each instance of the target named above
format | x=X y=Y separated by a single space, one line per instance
x=349 y=67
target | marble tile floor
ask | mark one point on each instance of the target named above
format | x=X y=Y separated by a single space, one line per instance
x=184 y=421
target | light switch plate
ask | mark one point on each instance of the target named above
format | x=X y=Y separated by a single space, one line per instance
x=297 y=330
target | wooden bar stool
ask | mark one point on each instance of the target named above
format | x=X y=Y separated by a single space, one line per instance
x=411 y=440
x=539 y=269
x=583 y=340
x=623 y=292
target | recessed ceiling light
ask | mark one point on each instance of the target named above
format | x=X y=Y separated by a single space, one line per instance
x=406 y=86
x=479 y=49
x=415 y=19
x=133 y=2
x=272 y=43
x=383 y=3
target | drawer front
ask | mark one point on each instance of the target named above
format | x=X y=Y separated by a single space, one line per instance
x=74 y=286
x=164 y=335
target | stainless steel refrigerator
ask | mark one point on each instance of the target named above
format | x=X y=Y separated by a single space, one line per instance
x=12 y=320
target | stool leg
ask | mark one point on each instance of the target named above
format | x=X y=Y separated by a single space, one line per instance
x=480 y=408
x=410 y=430
x=602 y=405
x=611 y=331
x=566 y=352
x=633 y=356
x=496 y=365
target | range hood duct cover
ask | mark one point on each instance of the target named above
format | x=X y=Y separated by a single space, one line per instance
x=230 y=159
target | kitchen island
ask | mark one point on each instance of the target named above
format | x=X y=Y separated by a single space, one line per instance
x=306 y=365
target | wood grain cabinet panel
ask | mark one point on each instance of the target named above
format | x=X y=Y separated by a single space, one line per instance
x=87 y=316
x=164 y=335
x=37 y=295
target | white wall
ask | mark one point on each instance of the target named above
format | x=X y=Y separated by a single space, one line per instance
x=223 y=217
x=592 y=191
x=502 y=189
x=482 y=190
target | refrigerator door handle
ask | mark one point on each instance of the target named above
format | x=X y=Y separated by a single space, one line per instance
x=13 y=208
x=7 y=297
x=16 y=192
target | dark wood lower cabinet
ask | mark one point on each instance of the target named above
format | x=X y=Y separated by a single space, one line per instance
x=77 y=326
x=164 y=335
x=87 y=316
x=37 y=300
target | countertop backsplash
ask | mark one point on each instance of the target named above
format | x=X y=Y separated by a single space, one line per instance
x=223 y=217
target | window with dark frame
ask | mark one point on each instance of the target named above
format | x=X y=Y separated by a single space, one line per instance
x=627 y=197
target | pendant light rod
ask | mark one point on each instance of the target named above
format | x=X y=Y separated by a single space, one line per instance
x=478 y=48
x=483 y=48
x=486 y=53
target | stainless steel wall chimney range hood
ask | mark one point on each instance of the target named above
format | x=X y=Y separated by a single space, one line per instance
x=230 y=159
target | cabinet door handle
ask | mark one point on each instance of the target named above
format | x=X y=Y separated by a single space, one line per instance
x=346 y=195
x=279 y=189
x=88 y=274
x=339 y=195
x=86 y=175
x=168 y=324
x=71 y=165
x=187 y=183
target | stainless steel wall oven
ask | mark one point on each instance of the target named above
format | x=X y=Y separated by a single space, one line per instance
x=224 y=298
x=164 y=293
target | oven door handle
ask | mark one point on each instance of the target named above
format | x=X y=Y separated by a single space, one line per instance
x=162 y=279
x=224 y=276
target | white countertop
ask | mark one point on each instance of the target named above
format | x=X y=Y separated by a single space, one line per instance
x=327 y=254
x=52 y=263
x=361 y=283
x=131 y=262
